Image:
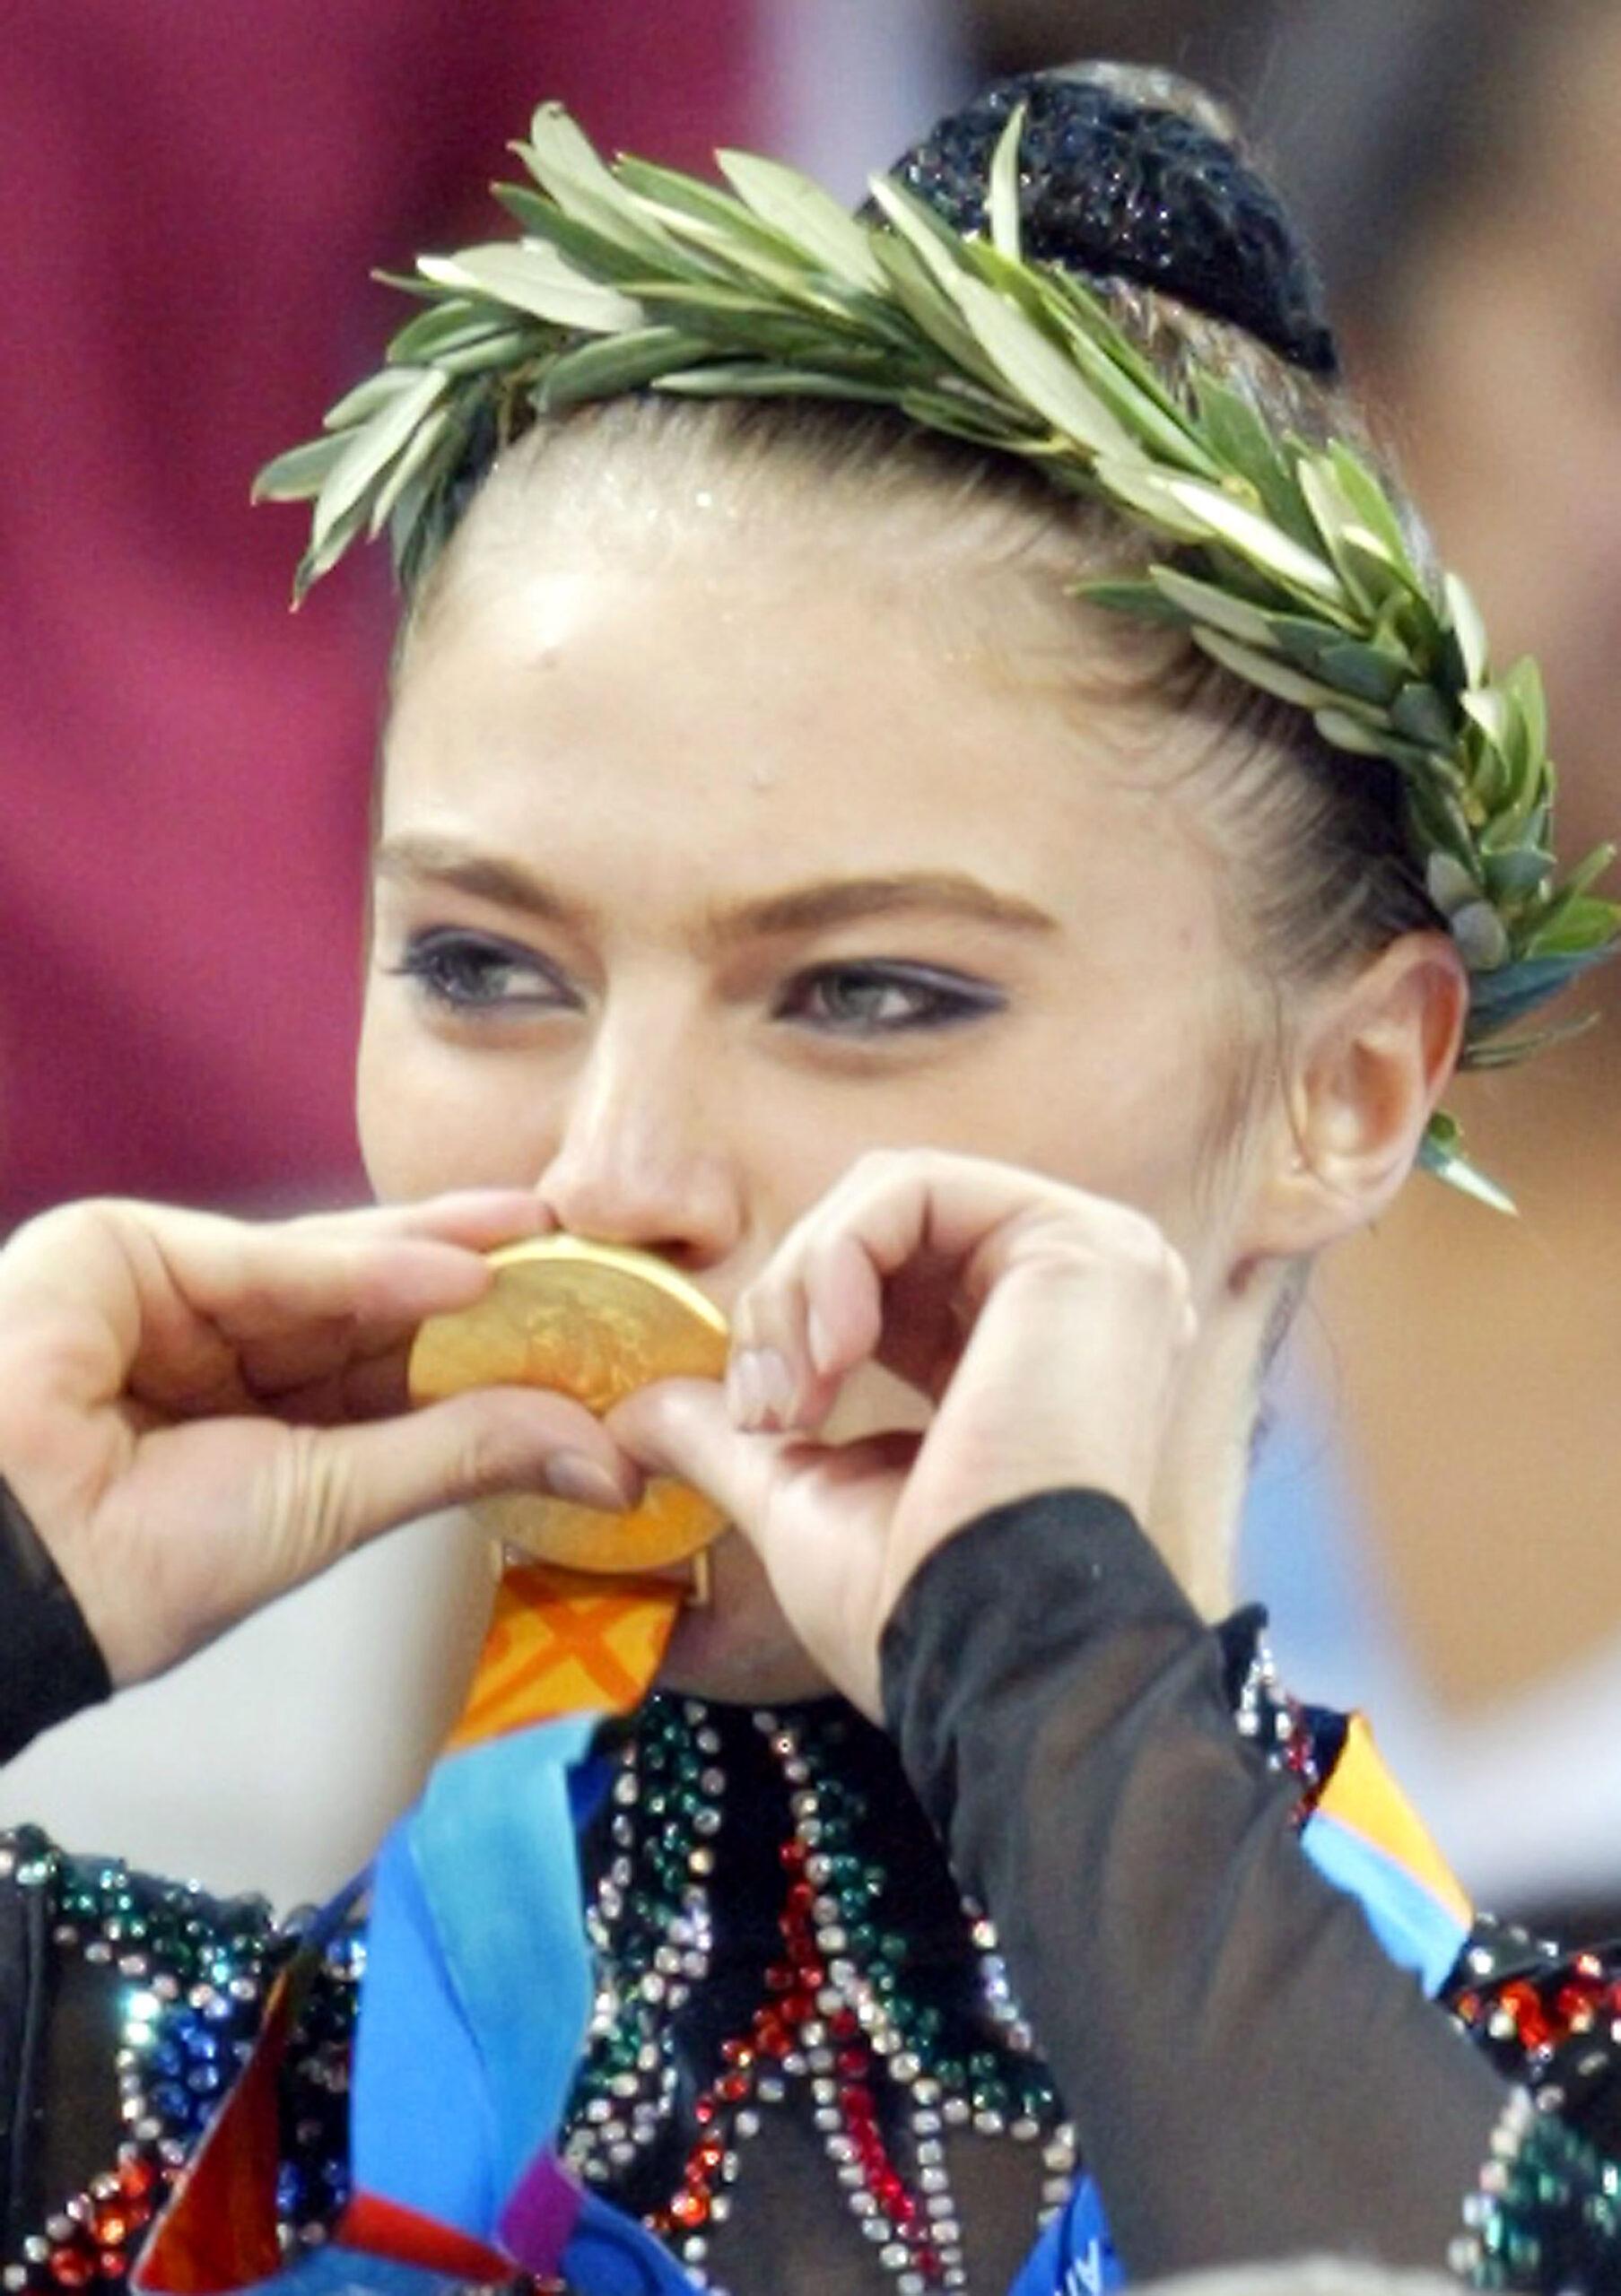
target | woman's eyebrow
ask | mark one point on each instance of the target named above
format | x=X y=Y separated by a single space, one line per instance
x=799 y=909
x=837 y=901
x=446 y=861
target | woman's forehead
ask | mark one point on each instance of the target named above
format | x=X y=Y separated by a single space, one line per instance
x=772 y=725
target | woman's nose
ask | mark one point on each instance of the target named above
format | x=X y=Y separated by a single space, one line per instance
x=641 y=1155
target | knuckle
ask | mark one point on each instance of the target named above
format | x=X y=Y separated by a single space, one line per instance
x=489 y=1455
x=822 y=1254
x=306 y=1499
x=1136 y=1235
x=1138 y=1242
x=66 y=1228
x=877 y=1171
x=485 y=1461
x=1117 y=1236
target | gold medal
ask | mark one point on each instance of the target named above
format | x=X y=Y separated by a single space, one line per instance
x=594 y=1321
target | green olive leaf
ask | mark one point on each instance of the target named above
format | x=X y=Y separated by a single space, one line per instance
x=1002 y=195
x=757 y=378
x=407 y=464
x=1469 y=629
x=615 y=363
x=1134 y=483
x=450 y=324
x=807 y=217
x=1371 y=505
x=932 y=239
x=564 y=163
x=1039 y=371
x=367 y=455
x=1450 y=885
x=1265 y=671
x=1418 y=714
x=1145 y=601
x=299 y=473
x=1513 y=874
x=934 y=314
x=1366 y=672
x=1439 y=1154
x=535 y=277
x=1483 y=943
x=369 y=397
x=1257 y=540
x=1204 y=603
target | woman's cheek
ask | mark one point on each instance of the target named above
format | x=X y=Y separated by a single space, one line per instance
x=429 y=1117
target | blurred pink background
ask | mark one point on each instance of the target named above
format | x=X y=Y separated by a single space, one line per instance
x=195 y=199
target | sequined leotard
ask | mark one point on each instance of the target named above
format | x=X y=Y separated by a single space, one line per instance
x=811 y=2067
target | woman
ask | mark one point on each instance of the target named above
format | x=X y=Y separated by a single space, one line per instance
x=992 y=1005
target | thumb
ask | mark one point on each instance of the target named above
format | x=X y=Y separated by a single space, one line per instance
x=360 y=1480
x=684 y=1428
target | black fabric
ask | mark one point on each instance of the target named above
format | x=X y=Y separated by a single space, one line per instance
x=787 y=2186
x=52 y=1665
x=28 y=2190
x=1248 y=2073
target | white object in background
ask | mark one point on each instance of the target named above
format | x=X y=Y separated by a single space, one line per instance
x=276 y=1759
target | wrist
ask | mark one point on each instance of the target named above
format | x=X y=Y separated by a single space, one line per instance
x=52 y=1664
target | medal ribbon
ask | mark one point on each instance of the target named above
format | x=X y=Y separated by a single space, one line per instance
x=475 y=1995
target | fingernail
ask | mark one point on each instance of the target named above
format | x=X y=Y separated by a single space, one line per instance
x=742 y=1389
x=584 y=1483
x=759 y=1385
x=818 y=1339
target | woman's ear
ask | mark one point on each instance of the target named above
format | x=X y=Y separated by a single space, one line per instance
x=1369 y=1061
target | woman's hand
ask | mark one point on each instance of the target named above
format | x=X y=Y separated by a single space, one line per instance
x=197 y=1414
x=1047 y=1326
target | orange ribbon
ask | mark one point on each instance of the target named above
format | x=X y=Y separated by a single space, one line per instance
x=565 y=1642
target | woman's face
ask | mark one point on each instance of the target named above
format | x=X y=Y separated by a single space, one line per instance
x=694 y=881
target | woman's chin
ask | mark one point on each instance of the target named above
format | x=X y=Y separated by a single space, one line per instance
x=737 y=1647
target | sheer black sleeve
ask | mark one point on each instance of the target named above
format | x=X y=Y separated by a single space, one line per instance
x=1248 y=2073
x=49 y=1663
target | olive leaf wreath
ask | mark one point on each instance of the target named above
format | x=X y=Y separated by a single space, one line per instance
x=1286 y=563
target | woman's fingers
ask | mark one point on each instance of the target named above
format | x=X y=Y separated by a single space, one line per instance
x=255 y=1285
x=205 y=1522
x=478 y=1219
x=684 y=1428
x=194 y=1312
x=820 y=1306
x=366 y=1479
x=818 y=1517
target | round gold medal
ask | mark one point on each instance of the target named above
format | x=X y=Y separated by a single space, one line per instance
x=594 y=1321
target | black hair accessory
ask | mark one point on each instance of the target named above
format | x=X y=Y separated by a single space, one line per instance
x=1118 y=187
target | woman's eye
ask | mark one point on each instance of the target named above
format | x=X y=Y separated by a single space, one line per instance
x=884 y=1000
x=476 y=972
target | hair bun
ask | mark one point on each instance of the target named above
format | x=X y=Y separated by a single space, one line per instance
x=1133 y=175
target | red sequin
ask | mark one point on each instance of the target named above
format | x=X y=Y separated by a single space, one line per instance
x=791 y=1985
x=1574 y=2006
x=1523 y=2005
